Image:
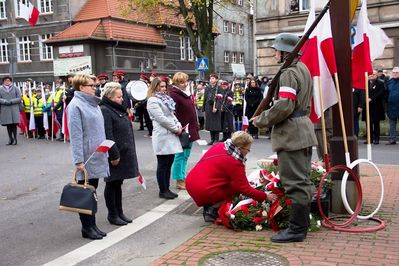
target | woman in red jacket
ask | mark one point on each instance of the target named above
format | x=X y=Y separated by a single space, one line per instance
x=220 y=175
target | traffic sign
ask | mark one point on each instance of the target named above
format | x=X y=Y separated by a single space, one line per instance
x=202 y=64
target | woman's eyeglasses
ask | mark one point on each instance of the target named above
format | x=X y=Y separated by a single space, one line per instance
x=89 y=85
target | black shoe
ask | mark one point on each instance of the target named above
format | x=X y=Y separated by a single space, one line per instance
x=60 y=139
x=116 y=220
x=210 y=214
x=15 y=142
x=124 y=218
x=376 y=142
x=166 y=195
x=391 y=143
x=174 y=194
x=41 y=137
x=289 y=235
x=10 y=142
x=98 y=231
x=90 y=233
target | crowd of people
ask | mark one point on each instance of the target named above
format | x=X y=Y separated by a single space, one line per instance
x=91 y=109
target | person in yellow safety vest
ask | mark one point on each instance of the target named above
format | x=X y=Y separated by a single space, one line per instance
x=38 y=112
x=199 y=103
x=47 y=109
x=238 y=102
x=58 y=107
x=27 y=104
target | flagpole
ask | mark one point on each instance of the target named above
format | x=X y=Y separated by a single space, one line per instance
x=323 y=127
x=341 y=118
x=366 y=80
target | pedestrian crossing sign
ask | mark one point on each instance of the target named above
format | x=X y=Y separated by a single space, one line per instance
x=202 y=64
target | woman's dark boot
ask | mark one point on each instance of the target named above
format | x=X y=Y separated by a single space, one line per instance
x=10 y=139
x=110 y=201
x=118 y=202
x=94 y=225
x=212 y=138
x=90 y=233
x=210 y=214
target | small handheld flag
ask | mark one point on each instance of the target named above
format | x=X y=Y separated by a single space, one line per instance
x=142 y=181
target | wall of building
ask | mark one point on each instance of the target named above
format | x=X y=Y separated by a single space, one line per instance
x=274 y=17
x=227 y=41
x=13 y=28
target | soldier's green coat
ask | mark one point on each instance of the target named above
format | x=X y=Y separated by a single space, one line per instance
x=290 y=134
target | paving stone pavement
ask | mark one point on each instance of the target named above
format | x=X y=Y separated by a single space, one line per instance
x=325 y=247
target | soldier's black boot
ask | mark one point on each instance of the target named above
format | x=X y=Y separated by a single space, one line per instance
x=298 y=226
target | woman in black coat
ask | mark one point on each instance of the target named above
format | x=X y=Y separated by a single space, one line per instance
x=376 y=104
x=253 y=97
x=122 y=155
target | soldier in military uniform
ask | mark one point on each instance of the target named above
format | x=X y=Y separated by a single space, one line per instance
x=292 y=137
x=213 y=116
x=226 y=108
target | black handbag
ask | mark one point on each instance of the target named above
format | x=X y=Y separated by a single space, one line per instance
x=184 y=140
x=79 y=198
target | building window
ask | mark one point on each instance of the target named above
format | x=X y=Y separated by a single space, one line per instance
x=226 y=56
x=16 y=3
x=190 y=53
x=241 y=58
x=3 y=14
x=46 y=6
x=182 y=48
x=234 y=57
x=241 y=29
x=3 y=51
x=46 y=52
x=23 y=51
x=299 y=5
x=240 y=2
x=225 y=26
x=233 y=27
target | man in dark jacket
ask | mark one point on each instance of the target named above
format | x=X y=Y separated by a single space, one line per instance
x=358 y=104
x=376 y=105
x=393 y=105
x=212 y=114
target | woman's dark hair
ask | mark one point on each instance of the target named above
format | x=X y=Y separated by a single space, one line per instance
x=256 y=83
x=6 y=77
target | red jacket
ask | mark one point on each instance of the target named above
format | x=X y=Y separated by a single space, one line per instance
x=219 y=178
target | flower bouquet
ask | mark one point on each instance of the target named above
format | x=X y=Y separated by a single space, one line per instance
x=243 y=213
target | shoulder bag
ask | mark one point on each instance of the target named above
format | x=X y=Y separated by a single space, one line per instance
x=79 y=198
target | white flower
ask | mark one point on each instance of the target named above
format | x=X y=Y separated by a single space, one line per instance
x=264 y=213
x=232 y=216
x=258 y=227
x=318 y=223
x=310 y=216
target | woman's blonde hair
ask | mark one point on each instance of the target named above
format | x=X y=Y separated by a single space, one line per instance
x=241 y=139
x=110 y=88
x=79 y=80
x=179 y=78
x=154 y=86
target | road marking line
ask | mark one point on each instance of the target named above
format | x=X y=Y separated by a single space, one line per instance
x=95 y=246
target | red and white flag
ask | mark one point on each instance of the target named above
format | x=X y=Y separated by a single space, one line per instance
x=28 y=12
x=369 y=44
x=318 y=55
x=105 y=146
x=54 y=122
x=32 y=125
x=45 y=116
x=142 y=181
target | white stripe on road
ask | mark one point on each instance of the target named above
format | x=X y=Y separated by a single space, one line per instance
x=92 y=248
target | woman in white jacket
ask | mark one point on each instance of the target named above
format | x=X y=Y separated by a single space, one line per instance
x=165 y=140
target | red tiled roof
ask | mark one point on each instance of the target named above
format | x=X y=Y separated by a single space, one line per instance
x=159 y=15
x=109 y=29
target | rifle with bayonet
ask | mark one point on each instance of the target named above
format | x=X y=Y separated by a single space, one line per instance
x=266 y=102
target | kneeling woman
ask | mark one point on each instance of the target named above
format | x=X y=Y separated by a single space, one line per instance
x=220 y=175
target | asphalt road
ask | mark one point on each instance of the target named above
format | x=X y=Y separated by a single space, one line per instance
x=34 y=232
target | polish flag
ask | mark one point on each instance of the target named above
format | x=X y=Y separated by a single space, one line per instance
x=64 y=128
x=105 y=146
x=369 y=44
x=245 y=123
x=318 y=55
x=142 y=181
x=54 y=122
x=29 y=12
x=32 y=125
x=45 y=116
